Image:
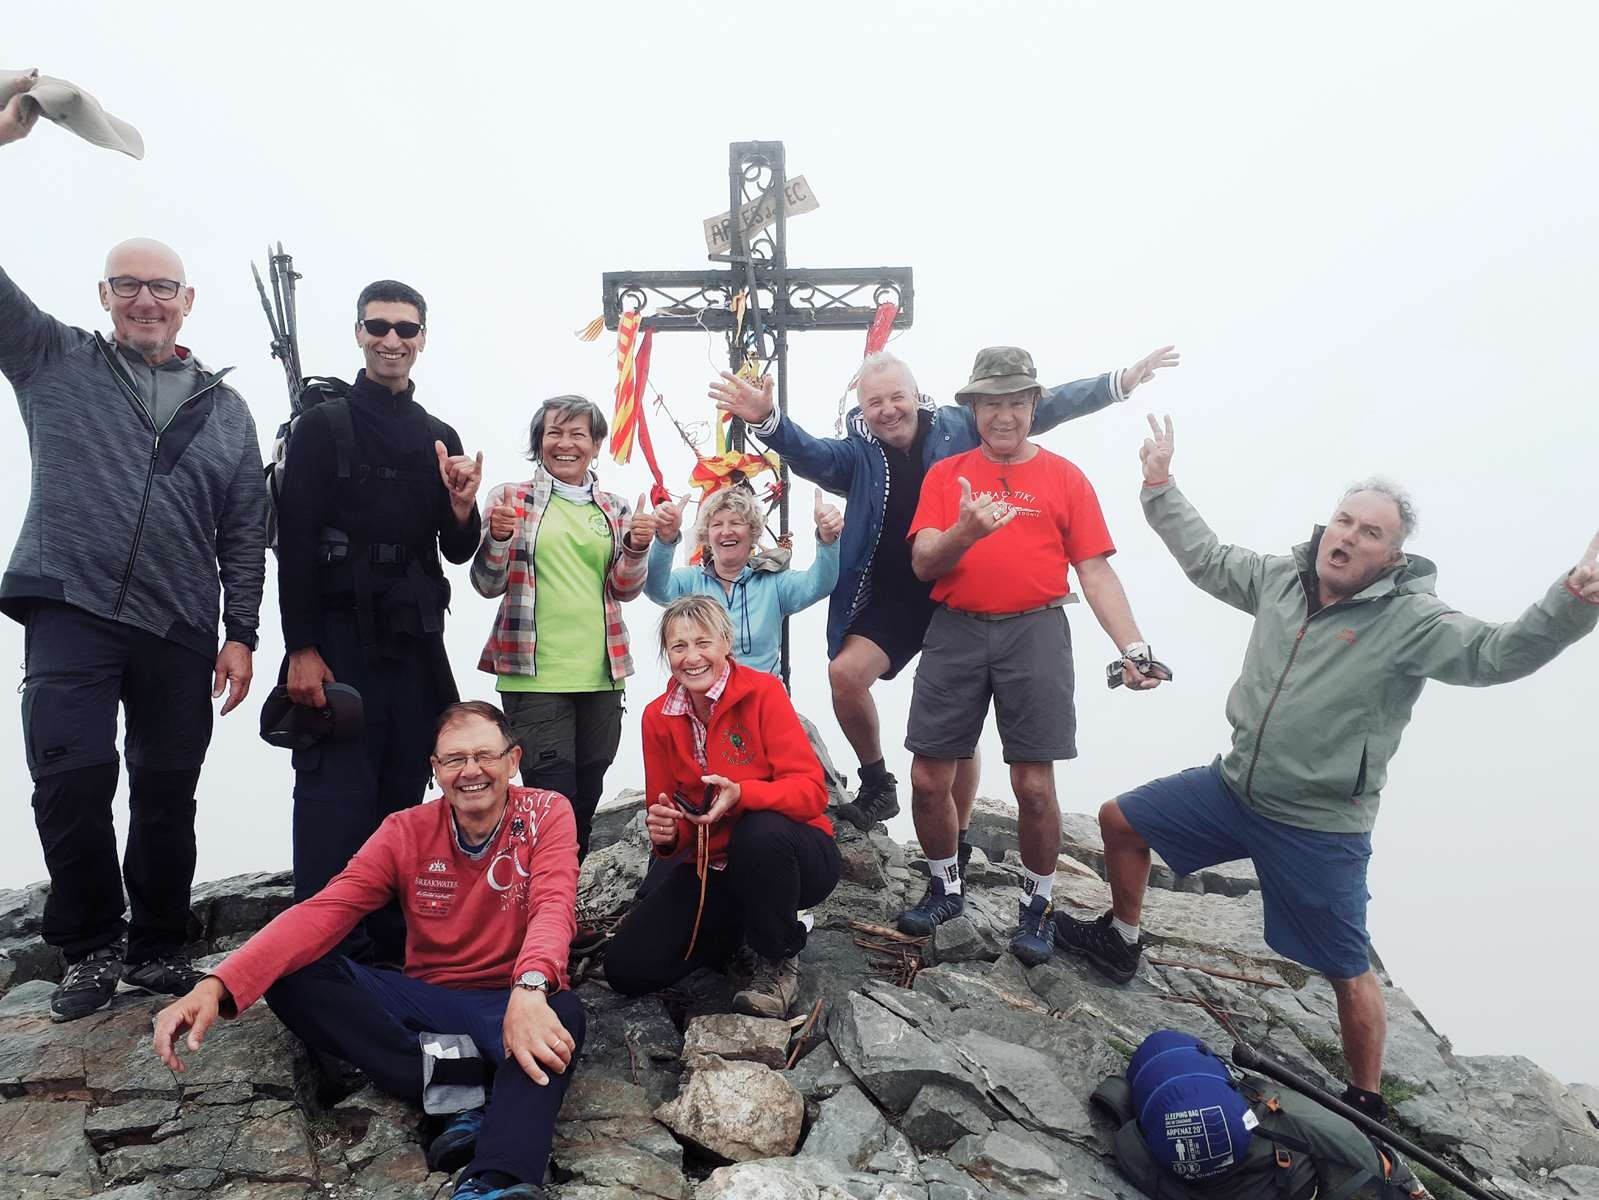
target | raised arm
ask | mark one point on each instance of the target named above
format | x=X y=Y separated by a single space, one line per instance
x=491 y=565
x=1232 y=574
x=461 y=474
x=798 y=590
x=824 y=461
x=1451 y=647
x=1068 y=401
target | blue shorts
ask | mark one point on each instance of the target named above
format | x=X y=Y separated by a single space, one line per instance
x=1313 y=883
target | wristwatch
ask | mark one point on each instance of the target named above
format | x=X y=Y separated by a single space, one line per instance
x=533 y=981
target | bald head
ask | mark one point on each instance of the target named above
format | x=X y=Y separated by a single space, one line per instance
x=146 y=322
x=144 y=258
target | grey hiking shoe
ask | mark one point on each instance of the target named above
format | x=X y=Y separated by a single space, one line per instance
x=772 y=990
x=169 y=975
x=874 y=802
x=1100 y=944
x=89 y=984
x=934 y=908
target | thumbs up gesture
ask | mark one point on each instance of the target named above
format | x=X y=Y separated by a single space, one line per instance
x=1583 y=582
x=641 y=531
x=981 y=515
x=669 y=521
x=503 y=517
x=829 y=521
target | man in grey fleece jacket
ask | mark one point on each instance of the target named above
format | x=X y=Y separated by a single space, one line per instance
x=1348 y=629
x=147 y=487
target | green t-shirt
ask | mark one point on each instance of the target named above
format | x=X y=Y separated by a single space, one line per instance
x=571 y=553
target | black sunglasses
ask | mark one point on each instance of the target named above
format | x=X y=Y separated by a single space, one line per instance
x=378 y=327
x=128 y=287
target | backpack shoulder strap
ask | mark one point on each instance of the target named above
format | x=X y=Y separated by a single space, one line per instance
x=337 y=409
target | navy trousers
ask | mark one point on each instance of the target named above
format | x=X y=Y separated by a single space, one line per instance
x=371 y=1018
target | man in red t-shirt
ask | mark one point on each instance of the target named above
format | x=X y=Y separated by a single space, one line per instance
x=996 y=529
x=488 y=881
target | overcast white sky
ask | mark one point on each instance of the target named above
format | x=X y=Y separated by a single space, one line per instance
x=1371 y=235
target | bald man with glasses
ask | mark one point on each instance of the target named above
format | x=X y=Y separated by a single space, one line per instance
x=145 y=531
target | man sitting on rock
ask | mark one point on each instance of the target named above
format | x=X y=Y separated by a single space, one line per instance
x=488 y=881
x=1347 y=630
x=994 y=532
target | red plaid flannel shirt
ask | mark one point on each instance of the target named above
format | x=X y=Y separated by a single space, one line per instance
x=506 y=569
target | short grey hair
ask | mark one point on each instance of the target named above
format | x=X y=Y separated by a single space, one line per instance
x=1401 y=499
x=563 y=408
x=705 y=611
x=882 y=360
x=741 y=503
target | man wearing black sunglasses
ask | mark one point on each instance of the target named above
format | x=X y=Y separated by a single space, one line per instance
x=374 y=491
x=147 y=491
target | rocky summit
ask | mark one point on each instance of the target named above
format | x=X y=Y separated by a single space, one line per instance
x=915 y=1070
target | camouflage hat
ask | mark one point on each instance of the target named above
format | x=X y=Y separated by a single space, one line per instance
x=998 y=371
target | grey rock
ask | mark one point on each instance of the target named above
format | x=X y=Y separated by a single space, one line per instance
x=776 y=1179
x=737 y=1110
x=736 y=1036
x=609 y=880
x=1027 y=1084
x=861 y=863
x=607 y=1137
x=133 y=1191
x=1577 y=1180
x=848 y=1130
x=940 y=1116
x=240 y=904
x=960 y=940
x=46 y=1138
x=1009 y=1164
x=892 y=1059
x=614 y=818
x=133 y=1117
x=819 y=1074
x=837 y=782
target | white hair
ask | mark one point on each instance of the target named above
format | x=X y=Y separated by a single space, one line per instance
x=1401 y=499
x=882 y=360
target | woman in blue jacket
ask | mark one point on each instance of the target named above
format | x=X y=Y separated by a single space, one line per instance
x=758 y=590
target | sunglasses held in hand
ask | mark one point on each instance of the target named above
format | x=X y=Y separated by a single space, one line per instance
x=687 y=805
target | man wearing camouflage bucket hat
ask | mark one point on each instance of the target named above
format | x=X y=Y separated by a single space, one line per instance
x=994 y=532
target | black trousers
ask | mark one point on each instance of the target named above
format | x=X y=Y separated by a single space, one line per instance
x=78 y=669
x=775 y=867
x=343 y=790
x=568 y=741
x=371 y=1018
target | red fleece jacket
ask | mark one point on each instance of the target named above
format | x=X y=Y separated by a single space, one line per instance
x=470 y=923
x=754 y=739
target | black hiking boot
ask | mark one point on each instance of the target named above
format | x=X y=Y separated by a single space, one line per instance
x=1370 y=1103
x=874 y=802
x=88 y=985
x=1099 y=944
x=456 y=1143
x=169 y=975
x=963 y=855
x=932 y=910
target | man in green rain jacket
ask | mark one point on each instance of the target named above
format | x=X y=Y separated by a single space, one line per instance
x=1347 y=630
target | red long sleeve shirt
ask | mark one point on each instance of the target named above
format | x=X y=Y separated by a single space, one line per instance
x=754 y=739
x=470 y=922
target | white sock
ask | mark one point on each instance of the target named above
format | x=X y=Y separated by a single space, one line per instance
x=1129 y=932
x=1034 y=884
x=947 y=869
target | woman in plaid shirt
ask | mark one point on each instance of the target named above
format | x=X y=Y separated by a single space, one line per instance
x=563 y=556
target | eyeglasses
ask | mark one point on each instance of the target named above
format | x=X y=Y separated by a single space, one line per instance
x=378 y=327
x=128 y=287
x=483 y=758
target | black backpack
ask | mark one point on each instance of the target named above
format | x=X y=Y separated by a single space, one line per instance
x=1298 y=1150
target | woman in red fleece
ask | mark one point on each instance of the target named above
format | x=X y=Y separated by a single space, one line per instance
x=736 y=801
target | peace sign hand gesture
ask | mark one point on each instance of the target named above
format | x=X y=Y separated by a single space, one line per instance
x=1583 y=582
x=1156 y=451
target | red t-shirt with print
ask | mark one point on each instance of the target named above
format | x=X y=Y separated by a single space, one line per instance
x=1022 y=565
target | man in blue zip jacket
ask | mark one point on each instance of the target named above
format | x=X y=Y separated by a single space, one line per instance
x=147 y=489
x=879 y=611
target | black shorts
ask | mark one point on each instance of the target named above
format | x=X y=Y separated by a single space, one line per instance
x=896 y=627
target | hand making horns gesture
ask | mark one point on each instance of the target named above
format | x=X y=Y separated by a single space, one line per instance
x=981 y=515
x=1156 y=451
x=749 y=402
x=1583 y=582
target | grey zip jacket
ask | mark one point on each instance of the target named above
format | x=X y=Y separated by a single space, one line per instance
x=126 y=521
x=1323 y=697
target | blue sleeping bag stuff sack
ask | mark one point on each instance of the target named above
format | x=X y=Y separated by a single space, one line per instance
x=1192 y=1118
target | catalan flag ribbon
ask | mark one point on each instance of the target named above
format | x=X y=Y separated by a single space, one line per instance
x=629 y=422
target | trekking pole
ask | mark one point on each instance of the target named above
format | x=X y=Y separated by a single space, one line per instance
x=279 y=345
x=1250 y=1059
